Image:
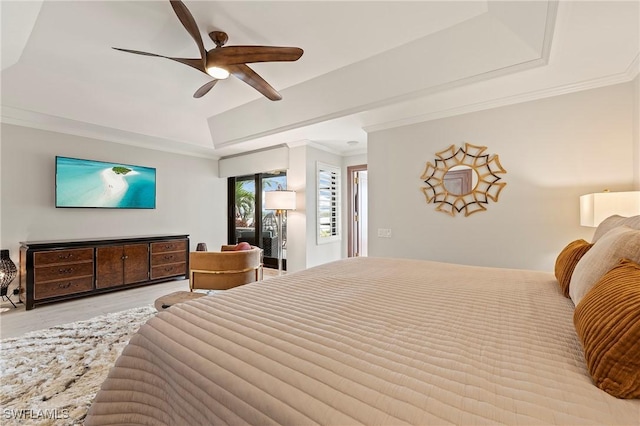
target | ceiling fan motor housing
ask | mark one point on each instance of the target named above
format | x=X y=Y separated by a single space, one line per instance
x=220 y=38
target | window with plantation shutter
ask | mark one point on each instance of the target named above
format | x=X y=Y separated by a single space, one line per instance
x=328 y=221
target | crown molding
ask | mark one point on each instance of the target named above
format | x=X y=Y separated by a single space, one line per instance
x=629 y=74
x=634 y=68
x=331 y=150
x=488 y=75
x=255 y=151
x=40 y=121
x=325 y=148
x=298 y=143
x=312 y=144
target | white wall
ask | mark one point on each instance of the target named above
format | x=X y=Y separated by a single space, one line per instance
x=554 y=150
x=1 y=185
x=190 y=198
x=264 y=161
x=297 y=219
x=318 y=254
x=636 y=131
x=302 y=250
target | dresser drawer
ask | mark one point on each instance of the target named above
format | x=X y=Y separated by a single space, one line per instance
x=43 y=258
x=167 y=246
x=63 y=272
x=61 y=288
x=168 y=270
x=169 y=257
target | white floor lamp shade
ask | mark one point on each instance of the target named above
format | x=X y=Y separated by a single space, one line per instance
x=280 y=201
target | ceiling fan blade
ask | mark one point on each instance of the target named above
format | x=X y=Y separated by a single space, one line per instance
x=195 y=63
x=190 y=25
x=230 y=55
x=249 y=76
x=205 y=89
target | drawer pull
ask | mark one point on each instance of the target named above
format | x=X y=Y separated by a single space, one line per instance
x=65 y=256
x=67 y=285
x=168 y=246
x=168 y=269
x=65 y=271
x=168 y=257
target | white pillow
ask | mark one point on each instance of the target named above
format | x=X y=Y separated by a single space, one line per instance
x=621 y=242
x=614 y=221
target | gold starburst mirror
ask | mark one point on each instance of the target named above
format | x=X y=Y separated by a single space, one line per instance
x=463 y=179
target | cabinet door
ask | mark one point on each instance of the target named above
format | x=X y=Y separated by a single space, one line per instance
x=109 y=266
x=136 y=263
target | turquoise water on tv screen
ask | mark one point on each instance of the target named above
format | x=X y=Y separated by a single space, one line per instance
x=87 y=183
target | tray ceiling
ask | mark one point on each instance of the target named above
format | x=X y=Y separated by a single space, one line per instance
x=366 y=66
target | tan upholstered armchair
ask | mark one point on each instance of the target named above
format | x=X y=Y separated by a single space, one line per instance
x=224 y=269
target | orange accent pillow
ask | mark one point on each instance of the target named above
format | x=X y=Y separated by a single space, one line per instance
x=621 y=242
x=243 y=246
x=607 y=321
x=566 y=262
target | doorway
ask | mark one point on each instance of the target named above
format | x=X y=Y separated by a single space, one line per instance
x=249 y=221
x=358 y=216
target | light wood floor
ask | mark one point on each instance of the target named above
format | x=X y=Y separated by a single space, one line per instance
x=16 y=322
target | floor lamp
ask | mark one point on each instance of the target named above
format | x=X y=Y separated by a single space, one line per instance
x=280 y=201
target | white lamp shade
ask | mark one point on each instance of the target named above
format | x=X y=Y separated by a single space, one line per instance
x=594 y=208
x=280 y=200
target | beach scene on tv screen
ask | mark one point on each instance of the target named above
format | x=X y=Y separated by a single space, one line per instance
x=87 y=183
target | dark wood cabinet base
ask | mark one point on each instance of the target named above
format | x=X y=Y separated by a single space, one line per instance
x=52 y=271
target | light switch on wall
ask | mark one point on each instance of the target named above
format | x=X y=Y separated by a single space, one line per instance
x=384 y=233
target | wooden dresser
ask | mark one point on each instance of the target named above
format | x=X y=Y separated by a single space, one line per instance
x=168 y=258
x=52 y=271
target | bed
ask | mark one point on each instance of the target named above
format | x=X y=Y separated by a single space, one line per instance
x=364 y=341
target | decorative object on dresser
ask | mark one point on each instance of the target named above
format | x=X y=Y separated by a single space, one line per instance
x=8 y=272
x=201 y=247
x=463 y=179
x=280 y=201
x=52 y=271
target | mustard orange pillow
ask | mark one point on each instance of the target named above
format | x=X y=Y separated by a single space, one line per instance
x=607 y=321
x=621 y=242
x=566 y=262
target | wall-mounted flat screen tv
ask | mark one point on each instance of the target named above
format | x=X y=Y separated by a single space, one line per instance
x=97 y=184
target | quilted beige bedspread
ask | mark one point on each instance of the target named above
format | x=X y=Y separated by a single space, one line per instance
x=364 y=341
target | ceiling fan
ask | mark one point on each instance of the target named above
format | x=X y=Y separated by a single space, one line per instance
x=221 y=61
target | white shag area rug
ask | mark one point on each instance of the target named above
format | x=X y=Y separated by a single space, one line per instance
x=51 y=376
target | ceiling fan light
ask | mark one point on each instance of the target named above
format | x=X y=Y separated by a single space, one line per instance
x=218 y=73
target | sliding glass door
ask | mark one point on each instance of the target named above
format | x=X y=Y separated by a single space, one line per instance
x=248 y=219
